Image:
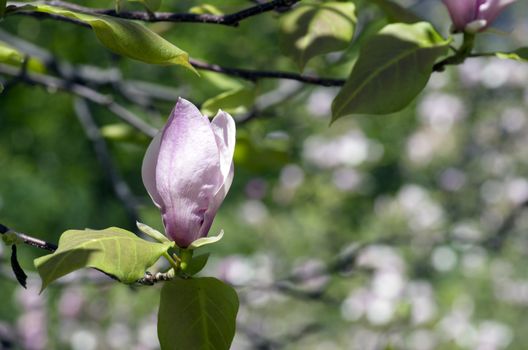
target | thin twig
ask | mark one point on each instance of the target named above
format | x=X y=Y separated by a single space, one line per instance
x=84 y=92
x=253 y=75
x=232 y=19
x=110 y=77
x=32 y=241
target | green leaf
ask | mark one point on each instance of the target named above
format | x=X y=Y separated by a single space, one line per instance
x=198 y=314
x=115 y=251
x=314 y=29
x=396 y=13
x=1 y=88
x=150 y=5
x=392 y=68
x=153 y=233
x=520 y=54
x=206 y=240
x=196 y=265
x=233 y=102
x=125 y=37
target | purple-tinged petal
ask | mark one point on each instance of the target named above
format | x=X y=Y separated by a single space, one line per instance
x=489 y=10
x=224 y=129
x=148 y=169
x=188 y=172
x=462 y=12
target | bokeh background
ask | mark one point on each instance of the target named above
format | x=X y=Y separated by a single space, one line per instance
x=404 y=231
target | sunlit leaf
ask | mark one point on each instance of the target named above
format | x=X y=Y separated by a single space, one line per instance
x=314 y=29
x=392 y=68
x=197 y=313
x=520 y=54
x=150 y=5
x=115 y=251
x=233 y=102
x=125 y=37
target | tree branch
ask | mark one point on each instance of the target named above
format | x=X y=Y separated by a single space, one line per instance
x=34 y=242
x=84 y=92
x=254 y=75
x=232 y=19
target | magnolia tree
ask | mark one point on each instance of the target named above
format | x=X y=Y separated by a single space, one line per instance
x=188 y=167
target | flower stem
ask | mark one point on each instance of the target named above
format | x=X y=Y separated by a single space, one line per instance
x=463 y=52
x=175 y=265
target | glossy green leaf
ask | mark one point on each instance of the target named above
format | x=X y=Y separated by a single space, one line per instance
x=396 y=13
x=520 y=54
x=392 y=68
x=125 y=37
x=198 y=314
x=313 y=29
x=197 y=263
x=115 y=251
x=150 y=5
x=200 y=242
x=234 y=102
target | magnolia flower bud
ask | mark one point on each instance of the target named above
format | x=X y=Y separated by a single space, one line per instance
x=474 y=15
x=188 y=169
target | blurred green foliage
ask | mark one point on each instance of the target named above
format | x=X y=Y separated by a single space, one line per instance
x=428 y=185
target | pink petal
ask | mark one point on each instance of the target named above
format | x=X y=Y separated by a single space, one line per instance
x=462 y=12
x=148 y=169
x=490 y=9
x=188 y=172
x=224 y=129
